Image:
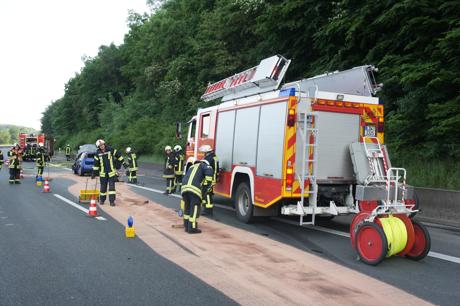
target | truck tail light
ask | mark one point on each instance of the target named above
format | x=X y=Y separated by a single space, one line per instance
x=380 y=125
x=289 y=176
x=291 y=117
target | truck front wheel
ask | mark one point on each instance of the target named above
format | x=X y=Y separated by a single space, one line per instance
x=243 y=203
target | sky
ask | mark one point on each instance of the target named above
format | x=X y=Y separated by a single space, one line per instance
x=41 y=48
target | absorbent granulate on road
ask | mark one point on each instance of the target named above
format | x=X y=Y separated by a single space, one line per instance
x=249 y=268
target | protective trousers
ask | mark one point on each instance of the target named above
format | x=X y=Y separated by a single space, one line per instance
x=191 y=210
x=178 y=181
x=170 y=185
x=104 y=182
x=206 y=202
x=14 y=176
x=132 y=177
x=40 y=170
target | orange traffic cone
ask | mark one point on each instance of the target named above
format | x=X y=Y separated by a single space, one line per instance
x=92 y=212
x=46 y=187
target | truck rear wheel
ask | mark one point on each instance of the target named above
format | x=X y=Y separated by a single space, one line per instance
x=243 y=203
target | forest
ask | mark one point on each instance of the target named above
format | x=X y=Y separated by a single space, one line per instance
x=133 y=94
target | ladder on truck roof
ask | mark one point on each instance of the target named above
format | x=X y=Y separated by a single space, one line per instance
x=356 y=81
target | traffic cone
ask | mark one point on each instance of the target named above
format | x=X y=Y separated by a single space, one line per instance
x=92 y=212
x=46 y=187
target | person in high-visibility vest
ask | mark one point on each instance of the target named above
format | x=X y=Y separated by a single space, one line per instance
x=211 y=157
x=131 y=165
x=197 y=178
x=67 y=152
x=14 y=164
x=178 y=167
x=106 y=160
x=168 y=172
x=40 y=160
x=1 y=159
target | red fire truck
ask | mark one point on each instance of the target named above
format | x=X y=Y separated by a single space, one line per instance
x=310 y=148
x=29 y=144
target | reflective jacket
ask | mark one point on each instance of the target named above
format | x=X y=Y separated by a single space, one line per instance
x=41 y=157
x=170 y=161
x=214 y=163
x=107 y=162
x=13 y=159
x=197 y=178
x=179 y=166
x=67 y=150
x=1 y=158
x=132 y=162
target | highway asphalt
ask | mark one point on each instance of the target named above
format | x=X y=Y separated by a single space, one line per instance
x=53 y=254
x=433 y=279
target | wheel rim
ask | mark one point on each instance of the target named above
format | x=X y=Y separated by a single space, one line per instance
x=243 y=203
x=367 y=206
x=369 y=243
x=419 y=243
x=410 y=234
x=358 y=219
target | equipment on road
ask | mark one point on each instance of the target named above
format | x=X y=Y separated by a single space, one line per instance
x=46 y=187
x=130 y=231
x=86 y=194
x=39 y=181
x=92 y=211
x=309 y=148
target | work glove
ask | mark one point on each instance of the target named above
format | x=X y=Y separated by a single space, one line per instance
x=125 y=165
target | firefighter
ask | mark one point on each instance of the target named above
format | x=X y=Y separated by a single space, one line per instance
x=1 y=159
x=14 y=166
x=67 y=152
x=105 y=161
x=197 y=178
x=131 y=165
x=214 y=163
x=40 y=160
x=178 y=167
x=168 y=173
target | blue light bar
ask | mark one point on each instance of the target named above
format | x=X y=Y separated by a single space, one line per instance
x=287 y=92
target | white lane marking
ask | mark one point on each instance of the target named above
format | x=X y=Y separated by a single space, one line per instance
x=76 y=206
x=3 y=217
x=444 y=257
x=155 y=190
x=314 y=227
x=9 y=224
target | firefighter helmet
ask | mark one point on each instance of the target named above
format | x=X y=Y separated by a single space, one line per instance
x=128 y=149
x=177 y=148
x=205 y=149
x=100 y=142
x=168 y=148
x=40 y=144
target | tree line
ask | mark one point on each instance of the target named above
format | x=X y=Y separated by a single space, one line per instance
x=9 y=133
x=132 y=94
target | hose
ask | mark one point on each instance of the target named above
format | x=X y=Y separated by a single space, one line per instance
x=396 y=233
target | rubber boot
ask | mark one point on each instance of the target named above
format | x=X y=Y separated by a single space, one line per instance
x=186 y=226
x=195 y=230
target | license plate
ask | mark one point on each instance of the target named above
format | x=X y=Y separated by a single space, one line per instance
x=369 y=131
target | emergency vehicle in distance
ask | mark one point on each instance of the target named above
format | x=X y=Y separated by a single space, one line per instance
x=310 y=148
x=29 y=144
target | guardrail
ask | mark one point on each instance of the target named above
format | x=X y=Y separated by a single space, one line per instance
x=439 y=206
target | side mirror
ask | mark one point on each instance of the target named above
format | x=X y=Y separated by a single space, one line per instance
x=178 y=130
